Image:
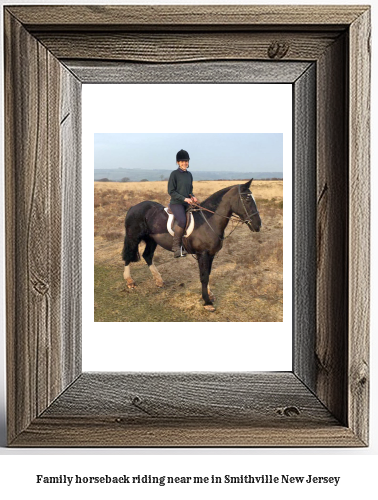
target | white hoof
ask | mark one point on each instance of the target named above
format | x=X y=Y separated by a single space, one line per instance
x=130 y=283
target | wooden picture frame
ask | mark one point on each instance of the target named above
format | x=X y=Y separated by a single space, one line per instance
x=49 y=52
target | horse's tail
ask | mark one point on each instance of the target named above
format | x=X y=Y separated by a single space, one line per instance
x=135 y=229
x=130 y=252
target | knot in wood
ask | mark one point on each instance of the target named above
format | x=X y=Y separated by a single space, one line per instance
x=288 y=411
x=140 y=404
x=362 y=375
x=278 y=50
x=363 y=381
x=41 y=287
x=136 y=400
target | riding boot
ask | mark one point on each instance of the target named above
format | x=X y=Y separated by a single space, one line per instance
x=177 y=243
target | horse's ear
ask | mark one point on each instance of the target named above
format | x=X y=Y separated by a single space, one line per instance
x=247 y=185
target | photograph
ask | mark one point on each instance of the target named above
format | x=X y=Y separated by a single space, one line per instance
x=219 y=203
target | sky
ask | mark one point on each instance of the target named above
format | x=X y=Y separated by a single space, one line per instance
x=242 y=152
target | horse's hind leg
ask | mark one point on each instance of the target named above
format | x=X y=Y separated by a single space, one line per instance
x=127 y=276
x=130 y=253
x=148 y=255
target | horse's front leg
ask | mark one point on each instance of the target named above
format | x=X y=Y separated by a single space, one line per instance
x=204 y=261
x=211 y=295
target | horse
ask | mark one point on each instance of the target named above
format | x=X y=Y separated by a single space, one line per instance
x=147 y=221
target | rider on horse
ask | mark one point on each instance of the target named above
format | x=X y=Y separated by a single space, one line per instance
x=180 y=188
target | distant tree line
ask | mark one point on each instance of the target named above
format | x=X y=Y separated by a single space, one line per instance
x=124 y=179
x=232 y=180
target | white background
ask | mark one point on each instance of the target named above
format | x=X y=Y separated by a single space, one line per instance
x=215 y=108
x=357 y=467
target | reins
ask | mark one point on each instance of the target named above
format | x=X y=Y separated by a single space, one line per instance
x=222 y=238
x=200 y=208
x=234 y=217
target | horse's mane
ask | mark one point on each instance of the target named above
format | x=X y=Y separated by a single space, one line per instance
x=213 y=201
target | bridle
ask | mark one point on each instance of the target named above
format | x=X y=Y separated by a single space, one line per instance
x=249 y=216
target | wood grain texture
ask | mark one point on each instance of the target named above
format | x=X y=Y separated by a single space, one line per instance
x=70 y=141
x=359 y=226
x=229 y=409
x=33 y=227
x=99 y=432
x=32 y=188
x=242 y=397
x=304 y=227
x=180 y=47
x=332 y=230
x=202 y=72
x=91 y=16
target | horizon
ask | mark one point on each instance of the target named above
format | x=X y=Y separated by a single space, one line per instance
x=169 y=170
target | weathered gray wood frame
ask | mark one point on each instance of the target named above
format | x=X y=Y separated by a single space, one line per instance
x=49 y=53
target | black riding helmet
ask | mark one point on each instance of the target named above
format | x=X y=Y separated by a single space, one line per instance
x=182 y=155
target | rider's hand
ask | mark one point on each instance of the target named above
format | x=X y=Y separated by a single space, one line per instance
x=188 y=200
x=194 y=199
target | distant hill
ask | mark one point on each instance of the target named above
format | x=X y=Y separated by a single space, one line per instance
x=138 y=174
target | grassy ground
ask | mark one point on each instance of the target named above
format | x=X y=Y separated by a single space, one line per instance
x=246 y=277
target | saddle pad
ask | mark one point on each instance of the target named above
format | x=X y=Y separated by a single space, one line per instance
x=170 y=221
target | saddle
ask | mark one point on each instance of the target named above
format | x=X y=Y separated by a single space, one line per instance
x=189 y=226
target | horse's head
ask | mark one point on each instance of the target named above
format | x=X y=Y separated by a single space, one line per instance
x=245 y=207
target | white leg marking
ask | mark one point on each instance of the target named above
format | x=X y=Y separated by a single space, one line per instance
x=127 y=276
x=211 y=295
x=157 y=276
x=126 y=272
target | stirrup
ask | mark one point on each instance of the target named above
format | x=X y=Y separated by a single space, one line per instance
x=183 y=253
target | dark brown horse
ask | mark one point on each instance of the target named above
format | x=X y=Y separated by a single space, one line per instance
x=147 y=221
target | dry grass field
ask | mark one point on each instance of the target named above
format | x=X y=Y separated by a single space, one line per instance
x=246 y=277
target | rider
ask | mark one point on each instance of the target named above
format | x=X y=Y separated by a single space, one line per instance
x=180 y=187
